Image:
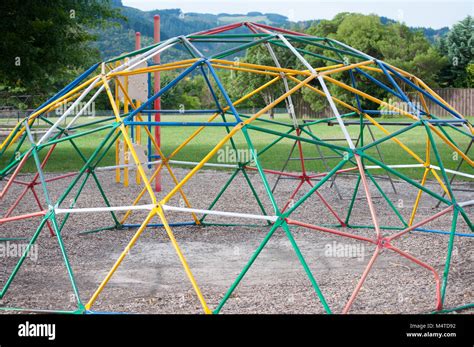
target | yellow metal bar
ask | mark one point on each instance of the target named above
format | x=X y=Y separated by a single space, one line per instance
x=346 y=67
x=119 y=260
x=369 y=97
x=441 y=183
x=261 y=67
x=158 y=149
x=235 y=68
x=118 y=142
x=450 y=144
x=138 y=141
x=320 y=92
x=418 y=197
x=142 y=192
x=159 y=212
x=232 y=132
x=280 y=99
x=129 y=143
x=153 y=68
x=401 y=144
x=125 y=146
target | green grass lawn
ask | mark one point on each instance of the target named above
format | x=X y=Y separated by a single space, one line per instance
x=65 y=158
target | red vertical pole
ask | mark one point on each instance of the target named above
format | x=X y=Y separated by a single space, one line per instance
x=156 y=86
x=137 y=40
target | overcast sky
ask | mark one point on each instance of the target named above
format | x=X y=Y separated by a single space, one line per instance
x=435 y=14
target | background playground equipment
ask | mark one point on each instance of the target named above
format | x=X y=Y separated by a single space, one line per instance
x=131 y=120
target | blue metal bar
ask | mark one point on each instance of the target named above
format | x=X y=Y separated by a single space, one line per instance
x=428 y=95
x=149 y=119
x=180 y=111
x=378 y=83
x=165 y=89
x=213 y=93
x=442 y=232
x=224 y=93
x=354 y=85
x=69 y=87
x=158 y=225
x=211 y=124
x=399 y=90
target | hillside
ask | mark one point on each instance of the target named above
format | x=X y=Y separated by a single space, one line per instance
x=120 y=38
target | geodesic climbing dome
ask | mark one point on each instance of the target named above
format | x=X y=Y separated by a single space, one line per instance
x=323 y=65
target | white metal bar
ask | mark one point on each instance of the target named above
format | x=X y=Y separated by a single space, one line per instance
x=466 y=203
x=68 y=111
x=336 y=113
x=103 y=209
x=219 y=213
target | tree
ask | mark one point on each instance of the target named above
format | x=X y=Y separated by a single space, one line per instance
x=394 y=43
x=46 y=43
x=458 y=46
x=239 y=83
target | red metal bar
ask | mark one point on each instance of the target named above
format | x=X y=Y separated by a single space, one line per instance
x=59 y=177
x=368 y=195
x=439 y=304
x=275 y=172
x=417 y=225
x=23 y=216
x=219 y=29
x=292 y=196
x=17 y=181
x=361 y=281
x=279 y=29
x=328 y=230
x=41 y=207
x=17 y=201
x=17 y=170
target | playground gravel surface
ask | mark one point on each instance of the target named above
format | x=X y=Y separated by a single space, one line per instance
x=152 y=280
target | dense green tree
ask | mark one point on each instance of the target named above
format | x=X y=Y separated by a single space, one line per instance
x=47 y=43
x=394 y=43
x=458 y=47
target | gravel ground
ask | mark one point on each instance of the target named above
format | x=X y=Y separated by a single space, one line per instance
x=151 y=279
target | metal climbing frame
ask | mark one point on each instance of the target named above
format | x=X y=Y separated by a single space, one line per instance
x=329 y=58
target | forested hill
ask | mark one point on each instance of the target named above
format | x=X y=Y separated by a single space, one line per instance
x=118 y=39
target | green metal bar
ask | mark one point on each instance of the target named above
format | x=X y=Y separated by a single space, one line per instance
x=85 y=167
x=294 y=137
x=255 y=193
x=66 y=138
x=354 y=195
x=306 y=268
x=448 y=255
x=247 y=266
x=96 y=179
x=100 y=120
x=74 y=200
x=260 y=169
x=23 y=256
x=314 y=188
x=263 y=120
x=392 y=135
x=389 y=202
x=223 y=189
x=274 y=142
x=240 y=48
x=300 y=39
x=405 y=178
x=66 y=261
x=440 y=163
